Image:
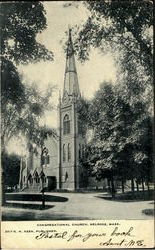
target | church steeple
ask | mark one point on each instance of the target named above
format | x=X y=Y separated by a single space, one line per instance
x=71 y=85
x=71 y=139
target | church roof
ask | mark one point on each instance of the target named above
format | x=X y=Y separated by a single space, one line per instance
x=71 y=85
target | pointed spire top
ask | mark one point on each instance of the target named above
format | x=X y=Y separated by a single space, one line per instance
x=70 y=50
x=70 y=35
x=71 y=85
x=69 y=29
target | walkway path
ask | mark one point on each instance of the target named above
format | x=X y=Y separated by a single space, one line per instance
x=81 y=206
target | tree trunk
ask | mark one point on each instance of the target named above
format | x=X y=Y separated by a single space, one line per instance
x=109 y=182
x=137 y=186
x=148 y=186
x=143 y=185
x=112 y=187
x=122 y=180
x=122 y=185
x=109 y=185
x=3 y=199
x=3 y=188
x=132 y=185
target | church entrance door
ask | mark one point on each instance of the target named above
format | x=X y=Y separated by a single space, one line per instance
x=51 y=182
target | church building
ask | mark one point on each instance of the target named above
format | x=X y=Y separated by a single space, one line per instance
x=58 y=164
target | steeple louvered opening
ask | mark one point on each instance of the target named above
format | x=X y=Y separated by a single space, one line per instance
x=66 y=125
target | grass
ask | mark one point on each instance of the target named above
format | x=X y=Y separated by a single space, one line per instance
x=35 y=197
x=14 y=200
x=131 y=196
x=28 y=206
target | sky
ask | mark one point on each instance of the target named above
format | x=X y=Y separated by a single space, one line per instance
x=60 y=16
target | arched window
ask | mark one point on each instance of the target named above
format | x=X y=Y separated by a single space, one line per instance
x=66 y=176
x=45 y=158
x=42 y=176
x=64 y=152
x=37 y=179
x=79 y=151
x=66 y=125
x=69 y=152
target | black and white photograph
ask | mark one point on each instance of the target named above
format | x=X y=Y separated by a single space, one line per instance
x=77 y=110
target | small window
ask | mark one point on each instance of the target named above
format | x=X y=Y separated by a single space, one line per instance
x=64 y=152
x=47 y=159
x=66 y=125
x=69 y=152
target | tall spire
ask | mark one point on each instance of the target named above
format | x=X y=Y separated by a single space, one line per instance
x=71 y=85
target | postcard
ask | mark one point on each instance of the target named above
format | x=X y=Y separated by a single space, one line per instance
x=77 y=124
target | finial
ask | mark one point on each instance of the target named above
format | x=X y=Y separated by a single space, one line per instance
x=69 y=27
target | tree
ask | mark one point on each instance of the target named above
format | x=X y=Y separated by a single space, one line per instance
x=120 y=148
x=12 y=88
x=23 y=119
x=122 y=26
x=11 y=164
x=103 y=120
x=20 y=24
